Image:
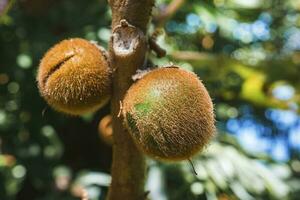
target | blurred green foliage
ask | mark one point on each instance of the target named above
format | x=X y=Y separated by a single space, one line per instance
x=246 y=53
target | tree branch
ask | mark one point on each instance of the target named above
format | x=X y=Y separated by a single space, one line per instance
x=168 y=12
x=136 y=12
x=128 y=47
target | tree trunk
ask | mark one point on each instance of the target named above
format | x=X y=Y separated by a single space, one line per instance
x=128 y=47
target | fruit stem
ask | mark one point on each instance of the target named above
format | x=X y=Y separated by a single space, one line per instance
x=128 y=47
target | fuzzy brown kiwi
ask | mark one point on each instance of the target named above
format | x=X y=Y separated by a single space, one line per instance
x=105 y=129
x=74 y=77
x=169 y=114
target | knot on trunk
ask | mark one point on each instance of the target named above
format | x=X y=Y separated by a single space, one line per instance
x=128 y=41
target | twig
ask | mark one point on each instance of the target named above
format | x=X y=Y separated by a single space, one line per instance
x=191 y=163
x=168 y=12
x=160 y=52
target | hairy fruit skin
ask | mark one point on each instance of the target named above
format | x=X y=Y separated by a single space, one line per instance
x=74 y=77
x=169 y=114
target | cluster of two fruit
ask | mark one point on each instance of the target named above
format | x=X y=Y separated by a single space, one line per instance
x=168 y=112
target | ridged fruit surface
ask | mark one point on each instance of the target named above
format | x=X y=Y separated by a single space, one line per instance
x=74 y=77
x=169 y=114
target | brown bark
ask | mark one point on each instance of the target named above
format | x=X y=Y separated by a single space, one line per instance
x=128 y=49
x=136 y=12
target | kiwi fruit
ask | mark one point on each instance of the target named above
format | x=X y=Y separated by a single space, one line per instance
x=169 y=114
x=74 y=77
x=105 y=129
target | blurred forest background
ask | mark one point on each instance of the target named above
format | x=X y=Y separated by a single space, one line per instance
x=246 y=52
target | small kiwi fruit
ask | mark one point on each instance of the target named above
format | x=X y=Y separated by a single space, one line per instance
x=169 y=114
x=105 y=129
x=74 y=77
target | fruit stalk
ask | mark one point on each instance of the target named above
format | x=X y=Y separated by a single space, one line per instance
x=127 y=51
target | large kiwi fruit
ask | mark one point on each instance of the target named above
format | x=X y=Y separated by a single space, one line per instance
x=74 y=77
x=169 y=114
